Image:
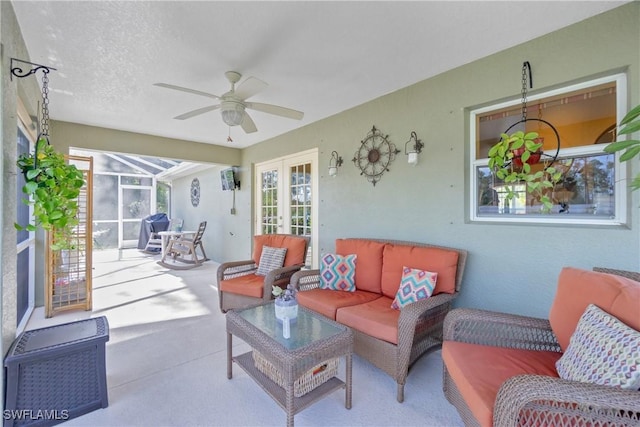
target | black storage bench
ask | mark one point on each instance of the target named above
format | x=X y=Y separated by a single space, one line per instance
x=56 y=373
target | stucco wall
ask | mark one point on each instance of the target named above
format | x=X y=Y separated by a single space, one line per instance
x=511 y=268
x=224 y=230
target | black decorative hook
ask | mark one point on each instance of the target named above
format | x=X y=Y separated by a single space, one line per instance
x=20 y=73
x=526 y=64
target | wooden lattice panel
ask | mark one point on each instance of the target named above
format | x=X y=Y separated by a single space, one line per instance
x=68 y=277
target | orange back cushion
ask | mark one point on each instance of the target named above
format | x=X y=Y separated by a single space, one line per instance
x=436 y=260
x=296 y=247
x=368 y=263
x=618 y=296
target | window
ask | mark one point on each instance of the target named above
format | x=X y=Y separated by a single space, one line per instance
x=593 y=188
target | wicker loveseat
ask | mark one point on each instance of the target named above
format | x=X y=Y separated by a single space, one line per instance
x=391 y=339
x=500 y=369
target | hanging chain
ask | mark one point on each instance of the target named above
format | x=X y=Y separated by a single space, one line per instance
x=524 y=91
x=45 y=104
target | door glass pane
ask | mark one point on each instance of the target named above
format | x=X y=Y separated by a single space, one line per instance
x=22 y=210
x=22 y=279
x=136 y=203
x=131 y=230
x=269 y=214
x=300 y=203
x=105 y=200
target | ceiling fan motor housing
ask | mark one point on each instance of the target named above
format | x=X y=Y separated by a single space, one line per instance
x=232 y=112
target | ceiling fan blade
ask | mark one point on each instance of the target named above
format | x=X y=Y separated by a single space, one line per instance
x=275 y=109
x=247 y=124
x=250 y=87
x=197 y=112
x=186 y=89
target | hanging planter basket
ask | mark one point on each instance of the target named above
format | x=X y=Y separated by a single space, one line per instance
x=511 y=159
x=538 y=155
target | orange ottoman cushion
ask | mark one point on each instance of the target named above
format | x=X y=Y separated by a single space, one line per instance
x=375 y=318
x=368 y=264
x=479 y=370
x=578 y=288
x=249 y=285
x=328 y=301
x=441 y=261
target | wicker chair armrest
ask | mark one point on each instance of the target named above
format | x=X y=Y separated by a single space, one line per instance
x=411 y=313
x=305 y=280
x=543 y=400
x=279 y=277
x=499 y=329
x=229 y=270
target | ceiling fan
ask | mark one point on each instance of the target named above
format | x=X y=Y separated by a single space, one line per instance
x=233 y=104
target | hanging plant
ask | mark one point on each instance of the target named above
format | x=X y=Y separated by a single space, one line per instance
x=628 y=125
x=52 y=187
x=502 y=162
x=511 y=158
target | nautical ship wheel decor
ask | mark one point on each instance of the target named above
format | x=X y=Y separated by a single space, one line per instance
x=375 y=155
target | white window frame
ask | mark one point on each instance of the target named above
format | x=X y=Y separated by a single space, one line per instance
x=621 y=182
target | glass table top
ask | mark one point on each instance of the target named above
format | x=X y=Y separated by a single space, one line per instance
x=307 y=328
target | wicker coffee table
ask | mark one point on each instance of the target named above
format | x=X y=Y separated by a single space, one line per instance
x=314 y=340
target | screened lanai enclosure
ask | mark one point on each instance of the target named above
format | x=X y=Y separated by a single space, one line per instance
x=125 y=191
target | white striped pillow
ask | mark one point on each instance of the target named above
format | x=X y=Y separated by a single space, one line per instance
x=270 y=259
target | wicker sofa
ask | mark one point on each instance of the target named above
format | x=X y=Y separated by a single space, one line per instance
x=390 y=339
x=500 y=369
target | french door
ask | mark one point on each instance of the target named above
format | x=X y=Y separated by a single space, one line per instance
x=287 y=198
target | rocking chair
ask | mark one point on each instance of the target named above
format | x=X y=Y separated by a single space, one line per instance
x=184 y=250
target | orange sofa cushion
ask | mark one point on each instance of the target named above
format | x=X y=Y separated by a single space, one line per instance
x=296 y=247
x=578 y=288
x=249 y=285
x=368 y=263
x=441 y=261
x=479 y=370
x=328 y=301
x=375 y=318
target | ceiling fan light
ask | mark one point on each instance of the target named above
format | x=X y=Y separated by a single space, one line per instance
x=232 y=113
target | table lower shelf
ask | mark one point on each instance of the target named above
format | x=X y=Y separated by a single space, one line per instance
x=277 y=393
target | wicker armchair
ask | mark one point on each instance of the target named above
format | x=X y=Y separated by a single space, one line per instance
x=419 y=324
x=240 y=287
x=527 y=400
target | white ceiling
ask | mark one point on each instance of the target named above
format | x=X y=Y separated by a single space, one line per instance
x=317 y=57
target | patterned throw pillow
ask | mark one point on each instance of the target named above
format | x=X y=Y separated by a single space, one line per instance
x=338 y=272
x=602 y=350
x=415 y=285
x=270 y=259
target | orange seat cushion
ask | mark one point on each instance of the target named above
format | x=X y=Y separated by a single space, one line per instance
x=375 y=318
x=368 y=263
x=479 y=370
x=328 y=301
x=296 y=247
x=436 y=260
x=250 y=285
x=618 y=296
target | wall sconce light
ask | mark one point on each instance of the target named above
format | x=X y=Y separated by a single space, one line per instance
x=334 y=163
x=412 y=152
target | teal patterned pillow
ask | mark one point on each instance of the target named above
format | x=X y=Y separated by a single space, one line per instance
x=414 y=286
x=602 y=350
x=338 y=272
x=270 y=259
